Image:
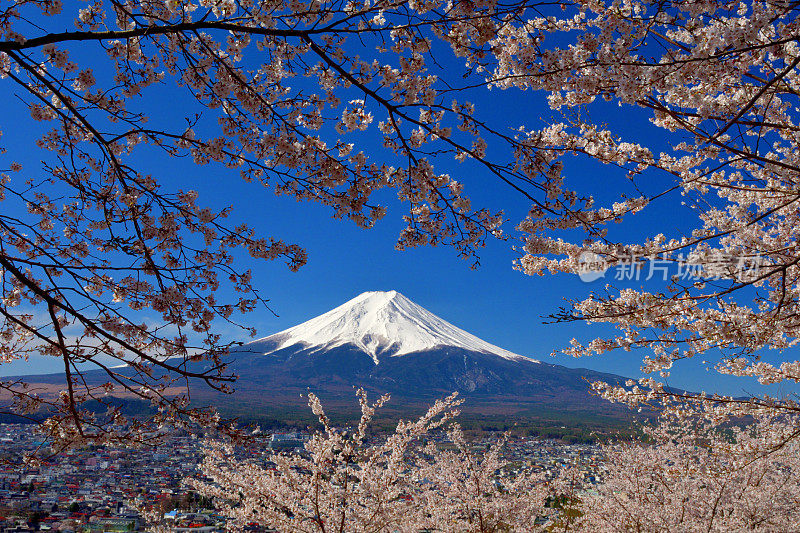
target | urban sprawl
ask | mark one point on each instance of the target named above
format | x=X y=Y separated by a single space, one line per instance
x=96 y=489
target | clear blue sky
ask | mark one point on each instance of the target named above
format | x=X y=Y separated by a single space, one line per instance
x=493 y=302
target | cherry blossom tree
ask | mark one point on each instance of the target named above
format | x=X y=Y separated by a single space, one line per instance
x=282 y=93
x=465 y=491
x=108 y=264
x=352 y=481
x=341 y=483
x=718 y=82
x=699 y=479
x=94 y=244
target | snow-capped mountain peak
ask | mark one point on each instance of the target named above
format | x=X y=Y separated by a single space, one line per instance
x=382 y=324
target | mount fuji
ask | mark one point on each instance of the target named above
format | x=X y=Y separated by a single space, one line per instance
x=384 y=342
x=382 y=325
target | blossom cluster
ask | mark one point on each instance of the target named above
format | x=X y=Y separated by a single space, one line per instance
x=284 y=94
x=346 y=481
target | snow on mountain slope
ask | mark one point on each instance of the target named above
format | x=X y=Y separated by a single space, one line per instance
x=382 y=324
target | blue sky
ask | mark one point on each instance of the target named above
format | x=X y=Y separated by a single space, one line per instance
x=494 y=302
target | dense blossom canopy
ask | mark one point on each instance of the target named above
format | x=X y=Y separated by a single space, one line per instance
x=354 y=481
x=699 y=480
x=284 y=94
